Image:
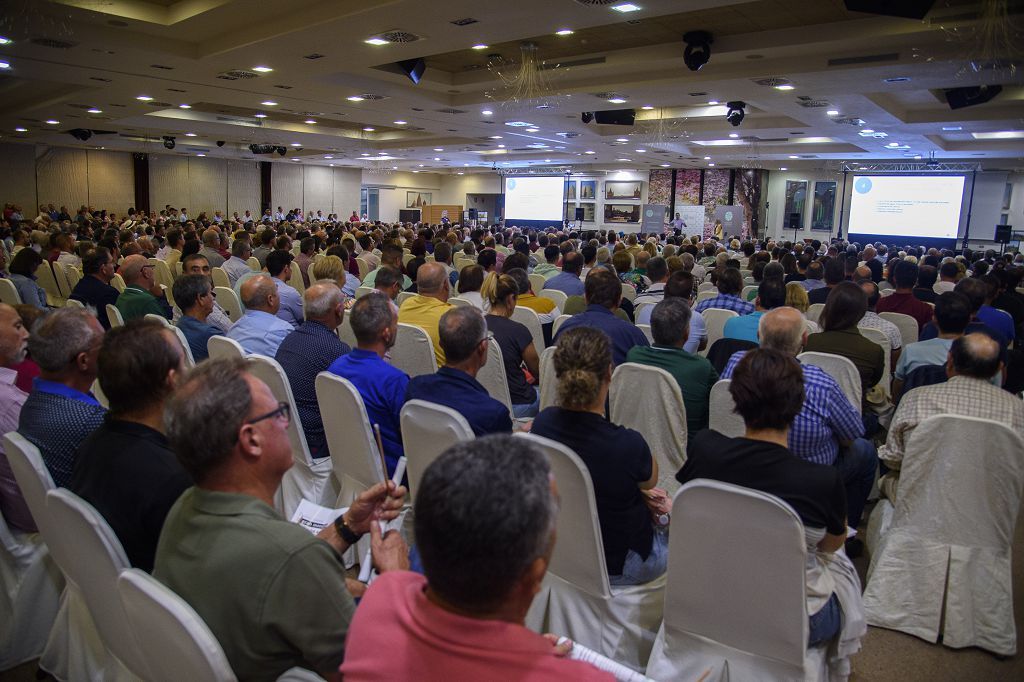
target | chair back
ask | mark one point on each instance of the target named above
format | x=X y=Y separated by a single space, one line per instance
x=905 y=323
x=74 y=276
x=638 y=308
x=271 y=373
x=171 y=636
x=460 y=302
x=558 y=323
x=814 y=312
x=163 y=273
x=229 y=301
x=46 y=279
x=153 y=317
x=727 y=544
x=749 y=292
x=628 y=292
x=884 y=286
x=578 y=557
x=30 y=472
x=428 y=429
x=61 y=276
x=344 y=331
x=537 y=283
x=646 y=329
x=364 y=267
x=648 y=399
x=839 y=368
x=354 y=454
x=220 y=347
x=91 y=558
x=363 y=291
x=72 y=303
x=114 y=316
x=117 y=281
x=220 y=277
x=9 y=293
x=254 y=263
x=879 y=337
x=706 y=295
x=722 y=411
x=492 y=376
x=413 y=352
x=715 y=319
x=721 y=351
x=559 y=297
x=529 y=317
x=402 y=297
x=296 y=280
x=548 y=379
x=706 y=286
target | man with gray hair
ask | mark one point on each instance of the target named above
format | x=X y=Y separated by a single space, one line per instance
x=828 y=429
x=238 y=264
x=431 y=302
x=61 y=410
x=211 y=242
x=142 y=295
x=194 y=296
x=228 y=553
x=13 y=346
x=260 y=330
x=309 y=350
x=465 y=339
x=485 y=530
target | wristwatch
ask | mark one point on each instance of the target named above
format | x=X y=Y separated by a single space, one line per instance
x=346 y=533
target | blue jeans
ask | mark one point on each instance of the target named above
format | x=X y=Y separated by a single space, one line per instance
x=825 y=624
x=527 y=409
x=857 y=465
x=637 y=570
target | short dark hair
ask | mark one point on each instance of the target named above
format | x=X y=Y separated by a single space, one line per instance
x=952 y=312
x=188 y=289
x=522 y=279
x=572 y=263
x=768 y=388
x=461 y=330
x=949 y=270
x=277 y=261
x=516 y=260
x=387 y=276
x=670 y=321
x=307 y=245
x=975 y=291
x=926 y=276
x=484 y=514
x=657 y=269
x=814 y=270
x=487 y=258
x=589 y=253
x=471 y=278
x=905 y=275
x=551 y=253
x=370 y=315
x=835 y=271
x=24 y=262
x=602 y=288
x=844 y=307
x=771 y=293
x=134 y=361
x=680 y=283
x=976 y=355
x=95 y=259
x=730 y=281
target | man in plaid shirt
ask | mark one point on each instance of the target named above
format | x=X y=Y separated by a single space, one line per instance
x=826 y=420
x=730 y=284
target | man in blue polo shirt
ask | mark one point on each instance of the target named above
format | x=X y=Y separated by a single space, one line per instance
x=603 y=294
x=568 y=280
x=770 y=294
x=464 y=339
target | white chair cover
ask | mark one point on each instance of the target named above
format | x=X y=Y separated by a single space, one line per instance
x=364 y=267
x=175 y=641
x=221 y=347
x=537 y=283
x=296 y=280
x=492 y=376
x=61 y=277
x=648 y=399
x=814 y=311
x=114 y=316
x=307 y=479
x=91 y=558
x=72 y=303
x=722 y=415
x=943 y=565
x=640 y=307
x=220 y=278
x=747 y=291
x=9 y=293
x=628 y=292
x=460 y=302
x=558 y=323
x=646 y=329
x=559 y=297
x=363 y=291
x=413 y=352
x=715 y=319
x=153 y=317
x=402 y=297
x=74 y=276
x=879 y=337
x=905 y=323
x=839 y=368
x=528 y=317
x=735 y=602
x=254 y=263
x=706 y=286
x=345 y=333
x=162 y=273
x=117 y=281
x=576 y=599
x=548 y=380
x=46 y=279
x=428 y=429
x=706 y=295
x=229 y=301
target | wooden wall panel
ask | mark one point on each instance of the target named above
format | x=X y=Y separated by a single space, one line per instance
x=168 y=181
x=111 y=180
x=317 y=189
x=243 y=187
x=207 y=185
x=286 y=186
x=62 y=179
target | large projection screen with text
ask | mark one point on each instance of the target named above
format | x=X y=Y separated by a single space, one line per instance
x=539 y=198
x=925 y=206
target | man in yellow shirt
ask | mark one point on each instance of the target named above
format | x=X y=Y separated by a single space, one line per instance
x=545 y=308
x=426 y=308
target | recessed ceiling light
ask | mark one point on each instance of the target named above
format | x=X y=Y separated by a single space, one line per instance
x=564 y=32
x=547 y=160
x=501 y=146
x=309 y=121
x=5 y=41
x=617 y=100
x=438 y=149
x=421 y=165
x=647 y=107
x=355 y=98
x=144 y=98
x=784 y=87
x=94 y=110
x=626 y=7
x=832 y=112
x=331 y=165
x=707 y=158
x=190 y=134
x=495 y=137
x=622 y=159
x=712 y=103
x=200 y=154
x=665 y=165
x=461 y=173
x=394 y=168
x=52 y=122
x=1000 y=135
x=711 y=164
x=295 y=144
x=5 y=65
x=867 y=131
x=184 y=106
x=486 y=112
x=641 y=151
x=369 y=129
x=269 y=103
x=465 y=164
x=375 y=41
x=19 y=129
x=589 y=151
x=328 y=156
x=734 y=135
x=415 y=171
x=365 y=154
x=437 y=158
x=952 y=128
x=532 y=130
x=781 y=168
x=622 y=139
x=480 y=46
x=262 y=69
x=793 y=156
x=917 y=156
x=260 y=115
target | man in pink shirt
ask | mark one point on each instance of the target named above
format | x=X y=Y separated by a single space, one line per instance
x=13 y=344
x=485 y=522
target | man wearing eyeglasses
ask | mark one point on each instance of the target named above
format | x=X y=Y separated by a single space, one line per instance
x=142 y=295
x=273 y=595
x=196 y=264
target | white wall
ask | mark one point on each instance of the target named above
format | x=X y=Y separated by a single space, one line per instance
x=18 y=177
x=392 y=188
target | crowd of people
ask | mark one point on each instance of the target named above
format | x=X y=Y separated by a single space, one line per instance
x=184 y=463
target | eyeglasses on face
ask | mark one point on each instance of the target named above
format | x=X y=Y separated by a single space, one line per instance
x=283 y=410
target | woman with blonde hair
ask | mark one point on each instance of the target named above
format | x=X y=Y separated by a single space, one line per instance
x=332 y=268
x=619 y=461
x=500 y=293
x=796 y=297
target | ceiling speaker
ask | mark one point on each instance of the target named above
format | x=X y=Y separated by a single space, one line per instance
x=616 y=117
x=958 y=98
x=413 y=68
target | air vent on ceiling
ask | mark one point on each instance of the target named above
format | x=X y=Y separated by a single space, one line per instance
x=568 y=135
x=101 y=80
x=315 y=55
x=771 y=82
x=576 y=62
x=284 y=87
x=464 y=22
x=811 y=103
x=849 y=120
x=161 y=66
x=121 y=106
x=596 y=3
x=238 y=74
x=51 y=42
x=176 y=90
x=372 y=96
x=160 y=104
x=80 y=106
x=449 y=110
x=399 y=37
x=864 y=59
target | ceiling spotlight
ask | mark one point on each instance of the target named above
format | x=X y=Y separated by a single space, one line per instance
x=190 y=134
x=168 y=141
x=200 y=154
x=495 y=137
x=331 y=165
x=480 y=46
x=867 y=131
x=501 y=146
x=707 y=158
x=437 y=158
x=781 y=168
x=400 y=123
x=260 y=115
x=365 y=154
x=711 y=164
x=736 y=113
x=375 y=41
x=5 y=41
x=734 y=135
x=626 y=7
x=19 y=129
x=369 y=129
x=640 y=151
x=532 y=130
x=617 y=100
x=712 y=103
x=438 y=149
x=144 y=98
x=184 y=106
x=832 y=112
x=647 y=107
x=269 y=103
x=486 y=112
x=94 y=110
x=665 y=165
x=309 y=122
x=698 y=49
x=262 y=69
x=784 y=87
x=53 y=122
x=220 y=143
x=564 y=32
x=622 y=139
x=793 y=156
x=589 y=152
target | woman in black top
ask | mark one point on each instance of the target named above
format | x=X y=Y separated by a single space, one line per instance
x=500 y=292
x=618 y=459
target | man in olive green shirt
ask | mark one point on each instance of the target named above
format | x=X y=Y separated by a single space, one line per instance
x=273 y=594
x=141 y=295
x=670 y=326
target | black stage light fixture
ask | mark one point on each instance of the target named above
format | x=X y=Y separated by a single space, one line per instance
x=220 y=143
x=168 y=141
x=587 y=116
x=736 y=112
x=413 y=68
x=281 y=151
x=698 y=49
x=82 y=134
x=958 y=98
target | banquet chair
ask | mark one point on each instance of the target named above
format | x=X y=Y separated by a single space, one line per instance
x=48 y=281
x=558 y=323
x=413 y=352
x=531 y=321
x=628 y=292
x=229 y=301
x=648 y=399
x=878 y=336
x=906 y=324
x=492 y=375
x=646 y=329
x=537 y=283
x=814 y=312
x=940 y=555
x=61 y=277
x=559 y=297
x=363 y=291
x=117 y=281
x=221 y=347
x=428 y=429
x=460 y=302
x=715 y=319
x=220 y=277
x=114 y=316
x=735 y=598
x=839 y=368
x=548 y=378
x=345 y=333
x=307 y=479
x=576 y=599
x=721 y=411
x=9 y=293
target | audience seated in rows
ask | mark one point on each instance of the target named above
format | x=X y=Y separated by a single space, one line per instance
x=771 y=294
x=196 y=264
x=94 y=288
x=903 y=300
x=729 y=284
x=238 y=264
x=425 y=309
x=390 y=256
x=568 y=280
x=515 y=341
x=603 y=294
x=951 y=317
x=23 y=274
x=545 y=308
x=834 y=272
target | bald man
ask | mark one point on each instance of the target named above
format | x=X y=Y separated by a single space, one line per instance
x=13 y=346
x=142 y=295
x=426 y=308
x=211 y=247
x=309 y=350
x=260 y=330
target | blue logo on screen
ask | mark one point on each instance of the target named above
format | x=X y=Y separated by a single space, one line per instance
x=863 y=185
x=511 y=184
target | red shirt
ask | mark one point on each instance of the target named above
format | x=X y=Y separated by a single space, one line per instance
x=908 y=304
x=398 y=634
